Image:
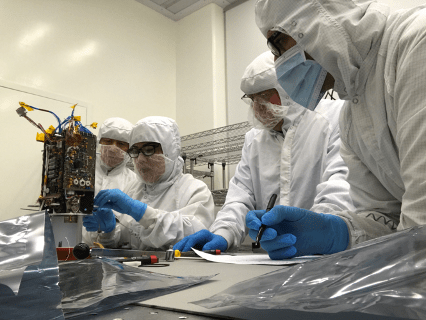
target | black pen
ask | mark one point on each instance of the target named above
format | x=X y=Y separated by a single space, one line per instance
x=271 y=203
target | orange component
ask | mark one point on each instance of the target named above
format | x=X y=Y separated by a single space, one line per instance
x=65 y=254
x=97 y=244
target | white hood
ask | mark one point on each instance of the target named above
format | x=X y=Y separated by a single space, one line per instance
x=343 y=36
x=164 y=131
x=117 y=129
x=259 y=76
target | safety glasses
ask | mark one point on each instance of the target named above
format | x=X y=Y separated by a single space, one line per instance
x=265 y=96
x=147 y=150
x=247 y=98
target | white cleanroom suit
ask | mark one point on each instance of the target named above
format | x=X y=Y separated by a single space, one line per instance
x=120 y=176
x=378 y=61
x=107 y=177
x=178 y=204
x=301 y=164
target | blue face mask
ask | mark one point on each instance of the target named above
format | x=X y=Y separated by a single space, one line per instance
x=302 y=79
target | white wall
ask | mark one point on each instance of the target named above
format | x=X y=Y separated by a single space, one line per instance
x=119 y=57
x=200 y=60
x=201 y=81
x=113 y=54
x=244 y=43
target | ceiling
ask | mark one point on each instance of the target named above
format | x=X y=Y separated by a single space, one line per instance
x=178 y=9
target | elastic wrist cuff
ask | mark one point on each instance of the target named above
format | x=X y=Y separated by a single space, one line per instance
x=149 y=217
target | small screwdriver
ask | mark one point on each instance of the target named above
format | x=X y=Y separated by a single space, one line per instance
x=144 y=260
x=193 y=254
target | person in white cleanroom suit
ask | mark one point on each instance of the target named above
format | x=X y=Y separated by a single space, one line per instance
x=163 y=205
x=111 y=161
x=376 y=61
x=292 y=152
x=111 y=164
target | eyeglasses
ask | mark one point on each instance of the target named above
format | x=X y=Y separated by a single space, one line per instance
x=247 y=98
x=147 y=150
x=272 y=45
x=265 y=96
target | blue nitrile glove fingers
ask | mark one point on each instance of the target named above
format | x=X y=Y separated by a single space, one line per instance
x=199 y=240
x=253 y=219
x=102 y=219
x=114 y=199
x=117 y=200
x=217 y=243
x=282 y=247
x=278 y=246
x=279 y=242
x=280 y=213
x=283 y=253
x=253 y=222
x=181 y=244
x=268 y=234
x=90 y=223
x=316 y=233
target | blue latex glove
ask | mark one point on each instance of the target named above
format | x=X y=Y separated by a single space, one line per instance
x=102 y=219
x=296 y=232
x=202 y=240
x=117 y=200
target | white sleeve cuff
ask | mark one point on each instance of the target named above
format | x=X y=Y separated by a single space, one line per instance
x=148 y=217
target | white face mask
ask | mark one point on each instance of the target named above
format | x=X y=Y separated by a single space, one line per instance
x=302 y=79
x=150 y=168
x=112 y=156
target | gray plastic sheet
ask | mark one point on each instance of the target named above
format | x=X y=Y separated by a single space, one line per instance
x=94 y=285
x=385 y=276
x=29 y=272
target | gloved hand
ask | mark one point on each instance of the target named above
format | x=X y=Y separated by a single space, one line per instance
x=204 y=240
x=296 y=232
x=117 y=200
x=102 y=219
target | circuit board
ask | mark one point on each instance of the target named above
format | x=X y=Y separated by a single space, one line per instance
x=68 y=175
x=69 y=160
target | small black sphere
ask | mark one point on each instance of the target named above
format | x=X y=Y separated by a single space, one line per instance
x=81 y=251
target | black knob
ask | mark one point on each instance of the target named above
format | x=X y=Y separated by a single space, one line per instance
x=81 y=251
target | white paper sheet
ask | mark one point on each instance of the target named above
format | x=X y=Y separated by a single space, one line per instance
x=253 y=259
